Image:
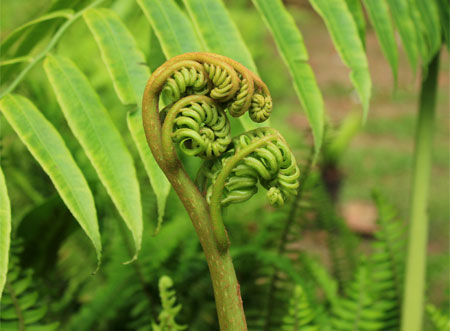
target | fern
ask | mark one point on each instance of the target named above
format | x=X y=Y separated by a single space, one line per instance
x=386 y=262
x=357 y=310
x=169 y=309
x=318 y=273
x=342 y=243
x=21 y=307
x=301 y=315
x=440 y=321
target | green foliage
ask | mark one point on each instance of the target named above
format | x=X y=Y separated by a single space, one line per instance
x=266 y=244
x=345 y=36
x=357 y=310
x=126 y=65
x=169 y=310
x=5 y=230
x=301 y=313
x=440 y=321
x=49 y=149
x=387 y=262
x=293 y=50
x=21 y=306
x=378 y=12
x=100 y=139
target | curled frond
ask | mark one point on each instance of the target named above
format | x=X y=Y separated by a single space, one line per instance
x=258 y=156
x=200 y=89
x=169 y=309
x=227 y=87
x=261 y=156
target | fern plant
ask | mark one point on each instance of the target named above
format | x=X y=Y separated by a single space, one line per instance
x=440 y=321
x=169 y=310
x=301 y=313
x=371 y=300
x=200 y=86
x=21 y=306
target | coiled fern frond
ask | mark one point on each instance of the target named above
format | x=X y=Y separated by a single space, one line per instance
x=258 y=156
x=169 y=309
x=261 y=156
x=202 y=88
x=21 y=307
x=301 y=314
x=440 y=321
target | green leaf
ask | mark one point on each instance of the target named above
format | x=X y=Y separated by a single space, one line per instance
x=344 y=33
x=214 y=25
x=158 y=180
x=49 y=149
x=156 y=56
x=17 y=33
x=221 y=36
x=174 y=30
x=126 y=66
x=358 y=15
x=378 y=12
x=5 y=231
x=125 y=62
x=429 y=25
x=444 y=13
x=101 y=141
x=291 y=46
x=403 y=21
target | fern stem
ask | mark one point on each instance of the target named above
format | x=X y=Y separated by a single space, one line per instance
x=226 y=287
x=413 y=299
x=16 y=304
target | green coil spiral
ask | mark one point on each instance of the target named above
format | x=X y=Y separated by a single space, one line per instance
x=202 y=129
x=272 y=164
x=200 y=89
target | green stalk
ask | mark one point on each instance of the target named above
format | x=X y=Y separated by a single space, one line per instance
x=413 y=298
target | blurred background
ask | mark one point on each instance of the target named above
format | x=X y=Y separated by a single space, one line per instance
x=378 y=157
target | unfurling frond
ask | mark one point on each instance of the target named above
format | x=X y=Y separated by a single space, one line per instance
x=169 y=308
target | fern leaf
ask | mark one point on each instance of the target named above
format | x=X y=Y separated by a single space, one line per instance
x=126 y=65
x=48 y=148
x=344 y=32
x=290 y=43
x=387 y=260
x=87 y=118
x=357 y=310
x=378 y=12
x=440 y=321
x=341 y=241
x=169 y=309
x=20 y=307
x=322 y=278
x=301 y=314
x=5 y=231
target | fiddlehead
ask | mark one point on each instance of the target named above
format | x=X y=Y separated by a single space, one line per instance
x=261 y=155
x=201 y=88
